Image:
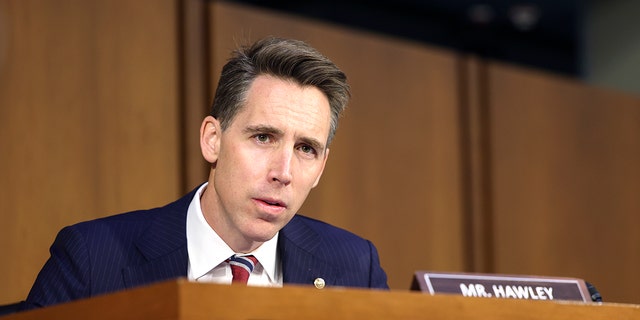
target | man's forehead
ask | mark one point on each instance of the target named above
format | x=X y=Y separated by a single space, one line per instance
x=286 y=106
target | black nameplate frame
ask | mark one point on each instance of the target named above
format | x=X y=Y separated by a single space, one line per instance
x=501 y=286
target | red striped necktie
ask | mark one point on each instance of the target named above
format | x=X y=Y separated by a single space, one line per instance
x=241 y=267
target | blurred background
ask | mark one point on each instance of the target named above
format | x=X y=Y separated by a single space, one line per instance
x=483 y=136
x=592 y=39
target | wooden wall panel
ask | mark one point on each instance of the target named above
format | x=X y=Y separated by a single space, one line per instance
x=88 y=120
x=565 y=180
x=195 y=90
x=393 y=175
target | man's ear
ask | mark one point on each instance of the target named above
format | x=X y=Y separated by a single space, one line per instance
x=210 y=139
x=324 y=162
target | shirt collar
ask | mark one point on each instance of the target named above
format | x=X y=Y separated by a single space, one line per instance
x=207 y=250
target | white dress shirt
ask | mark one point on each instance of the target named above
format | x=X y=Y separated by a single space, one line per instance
x=208 y=253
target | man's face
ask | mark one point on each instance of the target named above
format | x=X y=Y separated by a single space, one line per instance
x=266 y=162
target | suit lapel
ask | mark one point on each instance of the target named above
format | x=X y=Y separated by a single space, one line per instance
x=297 y=244
x=163 y=246
x=164 y=250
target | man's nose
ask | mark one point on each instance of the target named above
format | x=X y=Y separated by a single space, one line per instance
x=280 y=169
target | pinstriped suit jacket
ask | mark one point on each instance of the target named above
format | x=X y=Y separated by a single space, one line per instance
x=142 y=247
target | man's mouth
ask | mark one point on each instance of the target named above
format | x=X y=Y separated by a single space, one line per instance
x=273 y=202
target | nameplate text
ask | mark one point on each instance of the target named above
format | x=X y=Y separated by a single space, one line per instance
x=502 y=286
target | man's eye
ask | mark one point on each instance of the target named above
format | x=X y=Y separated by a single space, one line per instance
x=262 y=137
x=307 y=149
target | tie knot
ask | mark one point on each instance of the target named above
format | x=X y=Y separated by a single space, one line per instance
x=241 y=267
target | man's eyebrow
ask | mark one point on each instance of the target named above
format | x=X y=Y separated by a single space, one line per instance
x=315 y=144
x=262 y=129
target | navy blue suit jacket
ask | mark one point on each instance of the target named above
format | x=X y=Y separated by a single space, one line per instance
x=142 y=247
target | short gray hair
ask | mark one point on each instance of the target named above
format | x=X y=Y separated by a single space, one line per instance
x=283 y=58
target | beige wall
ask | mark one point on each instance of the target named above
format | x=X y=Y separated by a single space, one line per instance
x=611 y=46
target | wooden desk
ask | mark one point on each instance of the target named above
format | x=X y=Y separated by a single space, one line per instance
x=180 y=299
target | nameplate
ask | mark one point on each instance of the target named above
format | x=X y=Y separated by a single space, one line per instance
x=501 y=286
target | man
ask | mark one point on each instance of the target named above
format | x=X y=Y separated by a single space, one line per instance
x=267 y=139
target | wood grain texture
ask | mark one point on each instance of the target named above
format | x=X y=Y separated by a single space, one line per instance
x=190 y=301
x=88 y=120
x=565 y=180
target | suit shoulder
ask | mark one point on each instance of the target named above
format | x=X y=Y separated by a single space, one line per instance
x=172 y=213
x=325 y=229
x=131 y=218
x=124 y=228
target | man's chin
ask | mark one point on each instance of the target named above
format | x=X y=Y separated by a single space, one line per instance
x=262 y=230
x=262 y=234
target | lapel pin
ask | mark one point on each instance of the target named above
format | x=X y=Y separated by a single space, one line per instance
x=318 y=283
